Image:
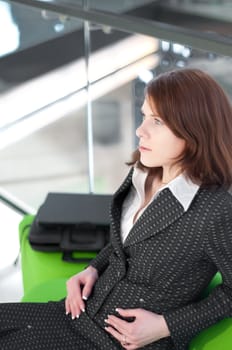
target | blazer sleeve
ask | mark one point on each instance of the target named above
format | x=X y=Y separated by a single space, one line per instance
x=186 y=322
x=102 y=259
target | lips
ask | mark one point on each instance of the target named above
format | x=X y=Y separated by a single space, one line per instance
x=143 y=148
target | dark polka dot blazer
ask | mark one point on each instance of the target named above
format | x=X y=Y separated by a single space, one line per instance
x=168 y=258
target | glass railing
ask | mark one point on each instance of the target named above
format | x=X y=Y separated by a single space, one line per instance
x=218 y=10
x=162 y=19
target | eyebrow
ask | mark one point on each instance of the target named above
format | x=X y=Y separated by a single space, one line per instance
x=153 y=115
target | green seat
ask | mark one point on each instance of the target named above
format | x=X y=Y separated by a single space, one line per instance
x=45 y=275
x=218 y=336
x=52 y=290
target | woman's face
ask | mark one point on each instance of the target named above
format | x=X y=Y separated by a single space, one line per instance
x=158 y=145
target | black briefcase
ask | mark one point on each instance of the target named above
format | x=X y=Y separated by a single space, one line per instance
x=71 y=222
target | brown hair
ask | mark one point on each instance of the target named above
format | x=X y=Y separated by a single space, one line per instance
x=196 y=109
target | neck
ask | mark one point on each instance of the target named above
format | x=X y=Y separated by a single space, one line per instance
x=169 y=174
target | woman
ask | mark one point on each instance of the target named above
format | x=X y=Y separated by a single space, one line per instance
x=171 y=226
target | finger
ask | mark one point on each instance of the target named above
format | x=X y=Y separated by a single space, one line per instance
x=121 y=338
x=75 y=306
x=67 y=307
x=115 y=333
x=80 y=303
x=74 y=309
x=120 y=325
x=130 y=347
x=76 y=303
x=127 y=312
x=87 y=290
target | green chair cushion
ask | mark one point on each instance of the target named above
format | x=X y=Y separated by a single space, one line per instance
x=52 y=290
x=216 y=337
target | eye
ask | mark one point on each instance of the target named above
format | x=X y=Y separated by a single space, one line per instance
x=158 y=121
x=154 y=119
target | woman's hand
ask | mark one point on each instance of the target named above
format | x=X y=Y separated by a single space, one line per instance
x=145 y=329
x=79 y=288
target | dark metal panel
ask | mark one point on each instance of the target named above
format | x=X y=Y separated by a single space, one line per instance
x=184 y=18
x=206 y=41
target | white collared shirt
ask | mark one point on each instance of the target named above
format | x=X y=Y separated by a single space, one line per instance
x=182 y=188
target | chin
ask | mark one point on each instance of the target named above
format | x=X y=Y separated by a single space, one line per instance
x=149 y=164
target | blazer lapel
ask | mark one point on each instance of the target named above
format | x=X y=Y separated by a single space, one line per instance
x=115 y=215
x=162 y=212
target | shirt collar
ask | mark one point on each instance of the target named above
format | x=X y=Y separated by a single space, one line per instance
x=181 y=187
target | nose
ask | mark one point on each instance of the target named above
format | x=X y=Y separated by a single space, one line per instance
x=141 y=131
x=137 y=132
